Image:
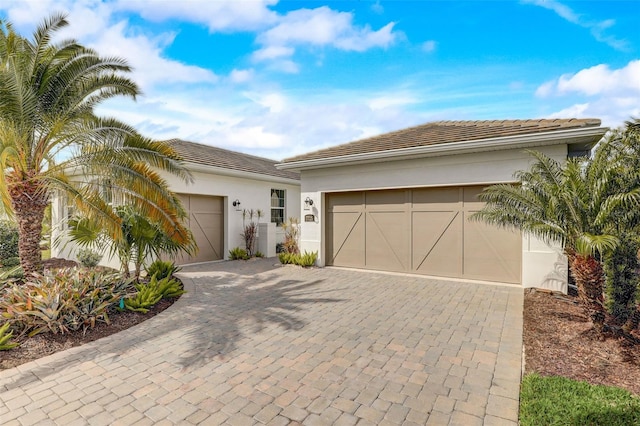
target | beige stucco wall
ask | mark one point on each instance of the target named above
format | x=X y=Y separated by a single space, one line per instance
x=542 y=265
x=253 y=192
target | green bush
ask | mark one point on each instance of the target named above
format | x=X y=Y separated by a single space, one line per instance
x=162 y=269
x=621 y=284
x=167 y=287
x=259 y=254
x=88 y=258
x=62 y=301
x=306 y=260
x=238 y=254
x=8 y=242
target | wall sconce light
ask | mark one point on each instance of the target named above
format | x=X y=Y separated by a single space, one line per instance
x=236 y=204
x=308 y=202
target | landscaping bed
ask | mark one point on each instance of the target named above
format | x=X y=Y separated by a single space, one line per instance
x=559 y=341
x=46 y=342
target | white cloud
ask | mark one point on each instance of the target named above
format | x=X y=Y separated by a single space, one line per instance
x=391 y=100
x=613 y=95
x=272 y=52
x=321 y=27
x=597 y=28
x=597 y=80
x=429 y=46
x=218 y=15
x=241 y=76
x=377 y=8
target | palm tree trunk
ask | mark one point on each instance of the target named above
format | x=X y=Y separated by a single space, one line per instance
x=589 y=276
x=29 y=202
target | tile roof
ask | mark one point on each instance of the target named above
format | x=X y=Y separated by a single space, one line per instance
x=208 y=155
x=442 y=132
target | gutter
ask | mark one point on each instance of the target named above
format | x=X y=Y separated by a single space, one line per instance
x=195 y=167
x=583 y=135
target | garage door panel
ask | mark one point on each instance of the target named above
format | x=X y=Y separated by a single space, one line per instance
x=386 y=241
x=386 y=200
x=348 y=239
x=491 y=253
x=205 y=219
x=435 y=198
x=437 y=242
x=345 y=201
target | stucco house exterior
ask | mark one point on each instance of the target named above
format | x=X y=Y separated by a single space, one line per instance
x=400 y=201
x=225 y=183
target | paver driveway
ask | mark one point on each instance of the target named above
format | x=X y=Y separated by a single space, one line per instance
x=253 y=343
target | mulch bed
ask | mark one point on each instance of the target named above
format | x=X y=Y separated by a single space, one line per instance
x=559 y=341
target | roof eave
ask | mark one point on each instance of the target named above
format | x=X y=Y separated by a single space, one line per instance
x=195 y=167
x=589 y=136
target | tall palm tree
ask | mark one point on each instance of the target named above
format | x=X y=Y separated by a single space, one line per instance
x=571 y=204
x=51 y=141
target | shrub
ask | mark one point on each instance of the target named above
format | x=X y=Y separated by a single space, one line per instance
x=621 y=284
x=62 y=301
x=305 y=260
x=88 y=258
x=8 y=242
x=10 y=262
x=259 y=254
x=238 y=254
x=5 y=338
x=162 y=269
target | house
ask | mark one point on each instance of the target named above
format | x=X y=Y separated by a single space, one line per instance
x=400 y=201
x=225 y=183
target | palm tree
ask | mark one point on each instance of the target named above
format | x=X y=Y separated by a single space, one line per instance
x=571 y=204
x=51 y=141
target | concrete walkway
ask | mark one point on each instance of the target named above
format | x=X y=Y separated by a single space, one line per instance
x=252 y=343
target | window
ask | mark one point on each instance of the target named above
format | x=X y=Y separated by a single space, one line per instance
x=277 y=206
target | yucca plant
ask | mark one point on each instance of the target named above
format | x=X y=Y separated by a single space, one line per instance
x=572 y=204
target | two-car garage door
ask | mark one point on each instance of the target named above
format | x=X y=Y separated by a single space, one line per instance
x=423 y=231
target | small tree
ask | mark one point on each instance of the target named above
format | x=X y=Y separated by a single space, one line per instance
x=573 y=204
x=141 y=238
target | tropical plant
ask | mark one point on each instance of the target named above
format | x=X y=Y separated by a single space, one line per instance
x=88 y=258
x=162 y=269
x=147 y=296
x=5 y=338
x=140 y=238
x=291 y=233
x=250 y=230
x=51 y=140
x=571 y=204
x=305 y=260
x=238 y=254
x=62 y=301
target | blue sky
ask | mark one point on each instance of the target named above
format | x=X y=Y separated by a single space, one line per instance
x=278 y=78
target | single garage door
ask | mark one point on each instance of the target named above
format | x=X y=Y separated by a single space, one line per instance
x=422 y=231
x=205 y=218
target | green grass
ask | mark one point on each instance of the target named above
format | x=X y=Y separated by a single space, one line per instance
x=562 y=401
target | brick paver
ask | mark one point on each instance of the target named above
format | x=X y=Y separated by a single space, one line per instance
x=253 y=343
